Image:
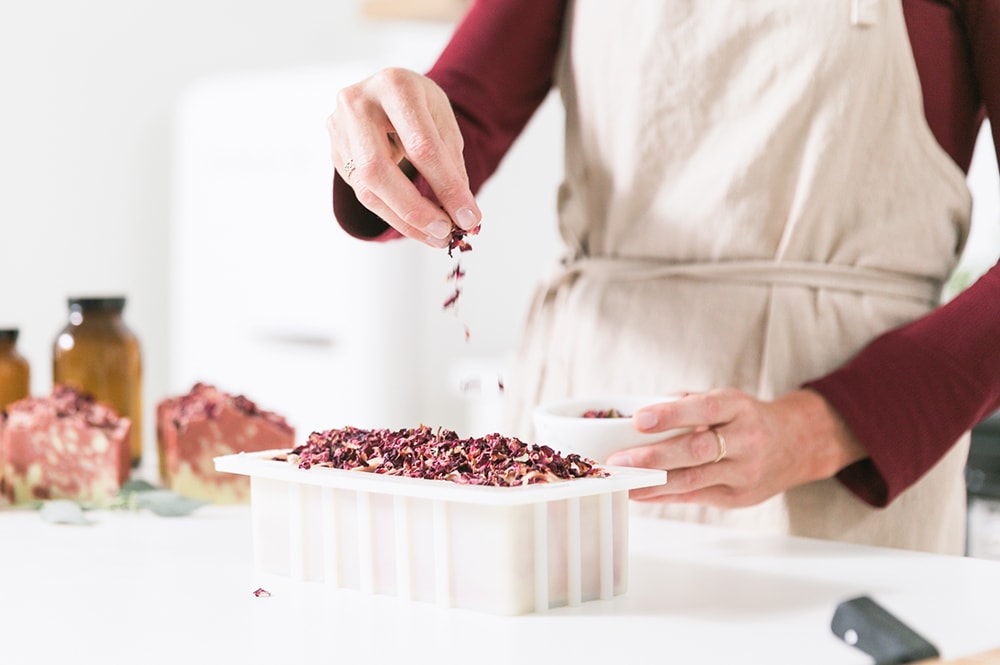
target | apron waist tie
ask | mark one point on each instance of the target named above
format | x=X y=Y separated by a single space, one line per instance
x=790 y=273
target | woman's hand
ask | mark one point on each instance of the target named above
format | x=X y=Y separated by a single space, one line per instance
x=388 y=123
x=741 y=451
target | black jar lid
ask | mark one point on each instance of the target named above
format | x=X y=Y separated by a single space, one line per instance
x=97 y=304
x=8 y=334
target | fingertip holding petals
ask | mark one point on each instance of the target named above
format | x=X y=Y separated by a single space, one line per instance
x=466 y=218
x=439 y=228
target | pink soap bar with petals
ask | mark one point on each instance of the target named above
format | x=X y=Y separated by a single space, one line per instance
x=63 y=446
x=205 y=423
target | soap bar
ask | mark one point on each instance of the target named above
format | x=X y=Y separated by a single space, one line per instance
x=206 y=423
x=63 y=446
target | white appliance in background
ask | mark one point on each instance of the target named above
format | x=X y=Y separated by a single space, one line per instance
x=270 y=299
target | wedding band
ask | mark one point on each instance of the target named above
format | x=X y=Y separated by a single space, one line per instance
x=348 y=169
x=722 y=444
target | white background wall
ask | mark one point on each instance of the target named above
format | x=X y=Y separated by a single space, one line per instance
x=89 y=96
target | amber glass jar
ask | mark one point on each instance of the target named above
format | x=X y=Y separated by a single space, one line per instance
x=15 y=373
x=98 y=354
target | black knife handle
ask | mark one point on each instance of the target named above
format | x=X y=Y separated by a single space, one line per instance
x=863 y=623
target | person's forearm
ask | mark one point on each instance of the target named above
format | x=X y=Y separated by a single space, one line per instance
x=911 y=393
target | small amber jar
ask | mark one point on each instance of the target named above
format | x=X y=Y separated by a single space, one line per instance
x=15 y=373
x=98 y=354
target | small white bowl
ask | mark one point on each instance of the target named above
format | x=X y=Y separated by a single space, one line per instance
x=563 y=426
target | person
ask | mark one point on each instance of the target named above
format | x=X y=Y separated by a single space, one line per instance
x=761 y=203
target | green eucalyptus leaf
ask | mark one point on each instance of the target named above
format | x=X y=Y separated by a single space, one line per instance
x=62 y=511
x=137 y=485
x=166 y=503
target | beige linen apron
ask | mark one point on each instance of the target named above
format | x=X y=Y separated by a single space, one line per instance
x=752 y=194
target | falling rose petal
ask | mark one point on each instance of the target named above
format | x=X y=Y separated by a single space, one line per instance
x=262 y=593
x=452 y=299
x=458 y=241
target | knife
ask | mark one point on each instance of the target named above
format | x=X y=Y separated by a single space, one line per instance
x=863 y=623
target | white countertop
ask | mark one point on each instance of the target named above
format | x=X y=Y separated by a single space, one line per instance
x=137 y=588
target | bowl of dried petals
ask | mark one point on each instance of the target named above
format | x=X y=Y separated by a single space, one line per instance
x=596 y=426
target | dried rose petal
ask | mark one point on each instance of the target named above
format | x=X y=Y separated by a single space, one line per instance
x=458 y=241
x=452 y=299
x=604 y=413
x=440 y=454
x=259 y=592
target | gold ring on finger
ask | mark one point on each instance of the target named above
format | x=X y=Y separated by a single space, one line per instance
x=722 y=444
x=348 y=169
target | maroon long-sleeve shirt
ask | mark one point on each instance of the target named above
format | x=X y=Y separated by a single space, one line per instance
x=911 y=393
